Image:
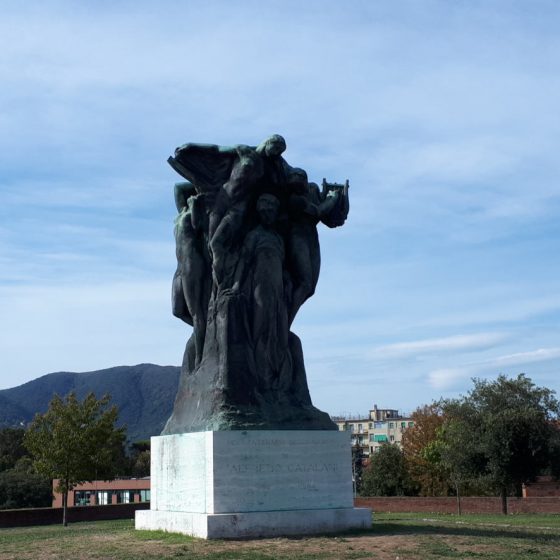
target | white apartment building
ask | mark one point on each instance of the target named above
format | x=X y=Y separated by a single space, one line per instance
x=381 y=426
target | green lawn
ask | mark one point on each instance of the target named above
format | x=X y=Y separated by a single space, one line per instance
x=404 y=536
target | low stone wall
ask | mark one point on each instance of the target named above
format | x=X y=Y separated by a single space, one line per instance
x=52 y=516
x=469 y=504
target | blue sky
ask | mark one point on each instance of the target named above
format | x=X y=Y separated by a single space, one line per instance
x=443 y=115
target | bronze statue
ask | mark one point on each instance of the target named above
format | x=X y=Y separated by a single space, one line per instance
x=247 y=258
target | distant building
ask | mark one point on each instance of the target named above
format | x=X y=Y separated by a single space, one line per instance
x=383 y=425
x=104 y=492
x=542 y=487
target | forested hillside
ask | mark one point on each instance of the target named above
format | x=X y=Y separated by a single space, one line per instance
x=143 y=393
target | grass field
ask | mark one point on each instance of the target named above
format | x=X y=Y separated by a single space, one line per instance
x=402 y=536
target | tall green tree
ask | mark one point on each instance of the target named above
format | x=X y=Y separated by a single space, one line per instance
x=75 y=441
x=504 y=430
x=459 y=455
x=387 y=474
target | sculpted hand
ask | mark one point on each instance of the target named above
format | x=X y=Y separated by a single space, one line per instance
x=233 y=291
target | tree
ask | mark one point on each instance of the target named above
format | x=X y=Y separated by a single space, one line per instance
x=11 y=447
x=20 y=485
x=141 y=466
x=75 y=442
x=357 y=467
x=458 y=453
x=504 y=430
x=421 y=450
x=139 y=458
x=20 y=489
x=139 y=446
x=387 y=474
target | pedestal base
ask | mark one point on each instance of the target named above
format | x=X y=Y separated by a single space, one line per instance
x=255 y=524
x=242 y=484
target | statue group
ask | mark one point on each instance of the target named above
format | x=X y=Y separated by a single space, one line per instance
x=248 y=257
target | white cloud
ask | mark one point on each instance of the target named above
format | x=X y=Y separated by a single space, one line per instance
x=457 y=343
x=530 y=357
x=445 y=379
x=448 y=378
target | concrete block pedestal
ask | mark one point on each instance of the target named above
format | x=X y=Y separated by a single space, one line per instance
x=252 y=484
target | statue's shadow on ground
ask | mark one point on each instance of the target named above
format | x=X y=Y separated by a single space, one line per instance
x=387 y=528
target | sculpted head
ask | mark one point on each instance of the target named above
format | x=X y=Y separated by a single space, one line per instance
x=267 y=208
x=297 y=181
x=273 y=146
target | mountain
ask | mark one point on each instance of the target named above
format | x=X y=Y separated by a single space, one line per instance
x=144 y=395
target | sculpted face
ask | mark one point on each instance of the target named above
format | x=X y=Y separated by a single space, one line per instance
x=267 y=207
x=297 y=181
x=275 y=146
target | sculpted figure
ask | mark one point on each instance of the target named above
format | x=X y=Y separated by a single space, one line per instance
x=308 y=206
x=191 y=286
x=260 y=274
x=226 y=219
x=248 y=257
x=275 y=166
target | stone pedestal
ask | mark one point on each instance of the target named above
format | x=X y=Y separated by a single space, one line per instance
x=238 y=484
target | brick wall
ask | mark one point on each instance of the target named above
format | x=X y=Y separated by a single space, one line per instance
x=52 y=516
x=535 y=505
x=468 y=504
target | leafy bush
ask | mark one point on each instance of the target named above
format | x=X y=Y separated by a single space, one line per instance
x=24 y=490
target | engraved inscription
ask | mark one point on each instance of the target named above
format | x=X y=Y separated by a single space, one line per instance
x=275 y=443
x=270 y=468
